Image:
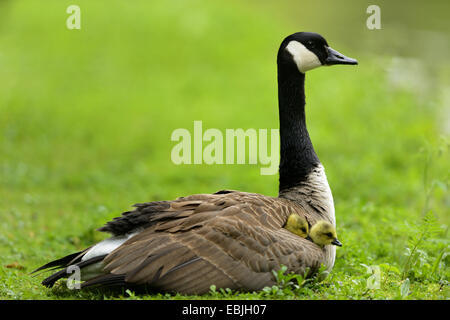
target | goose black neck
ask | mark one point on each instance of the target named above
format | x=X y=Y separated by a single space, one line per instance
x=297 y=155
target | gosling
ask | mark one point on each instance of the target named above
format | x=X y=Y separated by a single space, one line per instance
x=324 y=233
x=297 y=225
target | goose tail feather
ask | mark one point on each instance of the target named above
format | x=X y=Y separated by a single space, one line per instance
x=50 y=281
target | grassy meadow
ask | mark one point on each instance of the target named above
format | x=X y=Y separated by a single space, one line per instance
x=86 y=118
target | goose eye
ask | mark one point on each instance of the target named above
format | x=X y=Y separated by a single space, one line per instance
x=329 y=234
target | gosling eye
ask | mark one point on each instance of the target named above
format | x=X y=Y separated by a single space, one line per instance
x=329 y=234
x=303 y=229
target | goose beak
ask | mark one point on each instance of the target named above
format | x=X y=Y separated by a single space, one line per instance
x=336 y=242
x=335 y=57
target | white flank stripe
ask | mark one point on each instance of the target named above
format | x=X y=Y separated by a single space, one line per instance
x=106 y=246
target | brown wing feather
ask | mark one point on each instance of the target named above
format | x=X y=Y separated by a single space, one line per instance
x=230 y=239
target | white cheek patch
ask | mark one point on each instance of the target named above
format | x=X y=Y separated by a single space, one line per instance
x=304 y=58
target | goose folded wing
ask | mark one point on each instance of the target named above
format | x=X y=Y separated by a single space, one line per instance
x=232 y=242
x=272 y=212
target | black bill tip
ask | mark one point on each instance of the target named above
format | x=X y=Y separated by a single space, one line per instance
x=336 y=242
x=335 y=57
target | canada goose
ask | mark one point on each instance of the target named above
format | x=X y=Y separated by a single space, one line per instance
x=297 y=225
x=230 y=239
x=324 y=233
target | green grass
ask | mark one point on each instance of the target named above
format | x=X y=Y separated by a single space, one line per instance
x=86 y=118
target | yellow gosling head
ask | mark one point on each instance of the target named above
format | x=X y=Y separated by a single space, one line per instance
x=324 y=233
x=297 y=225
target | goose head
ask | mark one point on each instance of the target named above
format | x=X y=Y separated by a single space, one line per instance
x=297 y=225
x=324 y=233
x=307 y=50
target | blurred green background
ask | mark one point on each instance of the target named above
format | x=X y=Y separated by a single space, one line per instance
x=86 y=118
